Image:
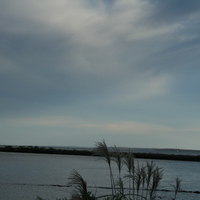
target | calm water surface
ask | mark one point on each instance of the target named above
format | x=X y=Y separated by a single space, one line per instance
x=24 y=176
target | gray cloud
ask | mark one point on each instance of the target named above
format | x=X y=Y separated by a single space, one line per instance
x=99 y=57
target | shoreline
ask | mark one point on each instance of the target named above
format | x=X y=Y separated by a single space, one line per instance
x=51 y=150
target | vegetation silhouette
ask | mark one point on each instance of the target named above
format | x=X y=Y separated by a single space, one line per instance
x=143 y=180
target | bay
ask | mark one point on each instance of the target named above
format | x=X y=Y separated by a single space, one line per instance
x=23 y=176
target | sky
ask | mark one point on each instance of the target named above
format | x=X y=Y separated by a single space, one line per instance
x=73 y=73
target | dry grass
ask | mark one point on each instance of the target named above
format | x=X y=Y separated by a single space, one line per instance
x=143 y=180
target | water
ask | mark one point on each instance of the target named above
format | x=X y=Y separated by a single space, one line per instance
x=24 y=176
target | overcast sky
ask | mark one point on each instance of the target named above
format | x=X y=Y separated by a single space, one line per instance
x=74 y=72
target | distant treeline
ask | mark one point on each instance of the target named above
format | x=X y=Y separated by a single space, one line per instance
x=44 y=150
x=168 y=157
x=51 y=150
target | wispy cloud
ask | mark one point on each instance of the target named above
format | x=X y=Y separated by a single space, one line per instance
x=114 y=67
x=92 y=25
x=117 y=127
x=142 y=88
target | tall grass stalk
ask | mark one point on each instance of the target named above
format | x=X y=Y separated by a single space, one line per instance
x=149 y=172
x=80 y=185
x=177 y=187
x=143 y=179
x=138 y=179
x=128 y=160
x=156 y=179
x=118 y=158
x=102 y=149
x=120 y=184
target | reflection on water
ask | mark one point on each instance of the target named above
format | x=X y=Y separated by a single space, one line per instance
x=23 y=176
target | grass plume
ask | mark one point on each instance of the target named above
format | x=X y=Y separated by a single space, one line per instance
x=143 y=180
x=81 y=192
x=102 y=149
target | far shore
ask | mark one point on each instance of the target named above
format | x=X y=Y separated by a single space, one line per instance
x=51 y=150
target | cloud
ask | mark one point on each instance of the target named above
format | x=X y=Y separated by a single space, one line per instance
x=114 y=127
x=79 y=48
x=52 y=121
x=74 y=63
x=86 y=24
x=140 y=88
x=136 y=128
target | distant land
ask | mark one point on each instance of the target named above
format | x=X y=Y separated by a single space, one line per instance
x=146 y=153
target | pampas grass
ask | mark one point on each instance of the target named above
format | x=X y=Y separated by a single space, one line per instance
x=102 y=150
x=80 y=185
x=177 y=187
x=143 y=180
